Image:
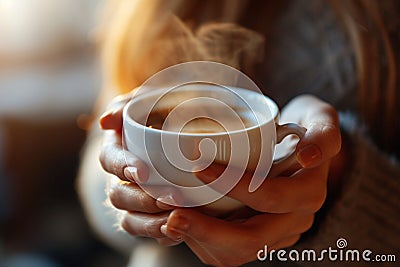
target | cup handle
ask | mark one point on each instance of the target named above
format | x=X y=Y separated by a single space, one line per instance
x=282 y=131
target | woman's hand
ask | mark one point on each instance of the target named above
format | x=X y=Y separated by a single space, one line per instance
x=144 y=215
x=283 y=207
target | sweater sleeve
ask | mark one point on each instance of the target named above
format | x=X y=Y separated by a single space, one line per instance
x=366 y=209
x=92 y=182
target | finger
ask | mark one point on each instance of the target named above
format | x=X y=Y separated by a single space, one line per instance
x=305 y=191
x=112 y=118
x=144 y=224
x=322 y=139
x=130 y=197
x=120 y=162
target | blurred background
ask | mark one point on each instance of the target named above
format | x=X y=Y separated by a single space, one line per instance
x=49 y=81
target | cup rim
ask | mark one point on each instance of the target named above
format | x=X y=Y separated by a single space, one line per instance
x=128 y=119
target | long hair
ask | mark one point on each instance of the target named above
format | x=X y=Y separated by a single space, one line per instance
x=144 y=36
x=373 y=28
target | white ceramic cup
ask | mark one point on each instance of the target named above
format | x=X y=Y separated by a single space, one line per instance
x=206 y=123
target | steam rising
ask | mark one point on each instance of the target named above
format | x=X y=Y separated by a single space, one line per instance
x=220 y=42
x=141 y=42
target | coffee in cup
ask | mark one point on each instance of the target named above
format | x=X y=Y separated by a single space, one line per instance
x=181 y=130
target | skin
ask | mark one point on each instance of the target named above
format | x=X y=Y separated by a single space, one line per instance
x=276 y=214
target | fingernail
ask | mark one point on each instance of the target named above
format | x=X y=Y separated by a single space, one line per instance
x=169 y=233
x=163 y=229
x=166 y=202
x=309 y=155
x=131 y=173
